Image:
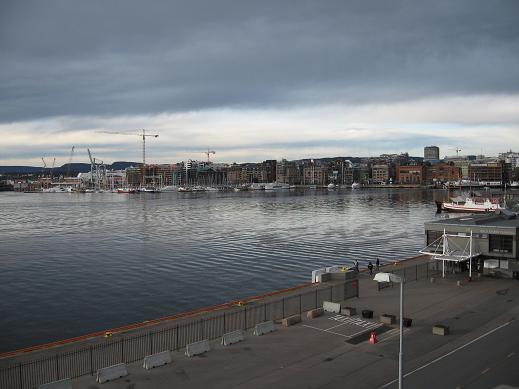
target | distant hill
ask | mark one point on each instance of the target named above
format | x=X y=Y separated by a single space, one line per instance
x=75 y=168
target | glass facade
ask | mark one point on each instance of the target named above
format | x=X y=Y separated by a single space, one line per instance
x=501 y=243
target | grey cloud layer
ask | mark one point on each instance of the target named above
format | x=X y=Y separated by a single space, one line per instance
x=131 y=57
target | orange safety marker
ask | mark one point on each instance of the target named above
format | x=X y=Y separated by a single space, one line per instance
x=373 y=337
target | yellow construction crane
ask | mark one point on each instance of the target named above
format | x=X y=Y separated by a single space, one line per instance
x=142 y=134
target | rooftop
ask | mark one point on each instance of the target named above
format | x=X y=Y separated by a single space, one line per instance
x=499 y=219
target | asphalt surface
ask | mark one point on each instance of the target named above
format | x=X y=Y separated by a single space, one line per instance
x=481 y=363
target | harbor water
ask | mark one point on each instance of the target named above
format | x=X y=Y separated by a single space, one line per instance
x=71 y=264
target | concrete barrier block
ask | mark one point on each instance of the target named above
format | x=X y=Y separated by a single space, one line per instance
x=315 y=313
x=387 y=319
x=111 y=373
x=61 y=384
x=197 y=348
x=331 y=307
x=440 y=329
x=349 y=311
x=264 y=328
x=291 y=320
x=232 y=337
x=156 y=360
x=407 y=322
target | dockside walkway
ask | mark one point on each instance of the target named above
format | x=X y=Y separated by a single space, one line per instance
x=332 y=351
x=481 y=350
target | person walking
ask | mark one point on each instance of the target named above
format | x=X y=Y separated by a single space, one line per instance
x=370 y=268
x=377 y=264
x=356 y=265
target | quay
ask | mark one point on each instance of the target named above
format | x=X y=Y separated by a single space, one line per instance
x=332 y=350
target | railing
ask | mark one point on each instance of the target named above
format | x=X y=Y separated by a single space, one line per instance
x=413 y=273
x=133 y=347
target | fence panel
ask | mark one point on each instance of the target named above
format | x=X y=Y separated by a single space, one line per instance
x=10 y=377
x=291 y=306
x=75 y=364
x=234 y=320
x=255 y=315
x=38 y=372
x=162 y=340
x=308 y=301
x=275 y=310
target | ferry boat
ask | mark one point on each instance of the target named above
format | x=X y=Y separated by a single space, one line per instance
x=472 y=205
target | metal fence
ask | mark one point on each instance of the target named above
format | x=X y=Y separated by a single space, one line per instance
x=133 y=347
x=414 y=273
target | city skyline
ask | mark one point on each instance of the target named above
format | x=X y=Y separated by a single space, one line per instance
x=257 y=81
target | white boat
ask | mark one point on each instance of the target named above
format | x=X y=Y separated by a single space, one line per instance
x=514 y=184
x=331 y=186
x=313 y=186
x=355 y=185
x=276 y=186
x=472 y=205
x=169 y=188
x=125 y=190
x=257 y=186
x=211 y=189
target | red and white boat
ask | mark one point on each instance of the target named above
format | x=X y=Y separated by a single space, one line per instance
x=472 y=205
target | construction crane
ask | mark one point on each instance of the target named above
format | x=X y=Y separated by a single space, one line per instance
x=143 y=135
x=457 y=150
x=70 y=161
x=208 y=152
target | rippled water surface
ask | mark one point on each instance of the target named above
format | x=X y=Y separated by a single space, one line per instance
x=76 y=263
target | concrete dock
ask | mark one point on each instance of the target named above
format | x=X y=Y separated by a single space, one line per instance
x=332 y=351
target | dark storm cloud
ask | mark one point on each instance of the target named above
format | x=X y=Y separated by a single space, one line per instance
x=131 y=57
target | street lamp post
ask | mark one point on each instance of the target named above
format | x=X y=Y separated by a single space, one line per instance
x=390 y=277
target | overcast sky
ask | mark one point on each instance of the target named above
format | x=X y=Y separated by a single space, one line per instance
x=256 y=80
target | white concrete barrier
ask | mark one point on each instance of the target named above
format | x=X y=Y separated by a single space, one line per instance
x=196 y=348
x=111 y=373
x=264 y=328
x=331 y=307
x=317 y=273
x=156 y=360
x=61 y=384
x=232 y=337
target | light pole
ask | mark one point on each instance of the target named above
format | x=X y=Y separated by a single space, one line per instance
x=390 y=277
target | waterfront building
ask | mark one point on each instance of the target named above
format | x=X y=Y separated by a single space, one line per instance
x=431 y=153
x=361 y=173
x=315 y=174
x=487 y=173
x=410 y=174
x=443 y=172
x=511 y=158
x=495 y=238
x=287 y=172
x=380 y=173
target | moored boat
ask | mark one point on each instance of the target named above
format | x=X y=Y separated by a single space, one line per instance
x=472 y=205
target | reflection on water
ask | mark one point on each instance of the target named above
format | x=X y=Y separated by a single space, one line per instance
x=77 y=263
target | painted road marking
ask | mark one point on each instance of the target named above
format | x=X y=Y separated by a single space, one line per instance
x=510 y=355
x=346 y=320
x=450 y=352
x=485 y=371
x=353 y=320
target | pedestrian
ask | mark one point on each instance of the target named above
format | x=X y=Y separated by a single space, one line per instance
x=378 y=264
x=356 y=264
x=370 y=268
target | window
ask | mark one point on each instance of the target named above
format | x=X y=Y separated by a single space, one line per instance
x=500 y=243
